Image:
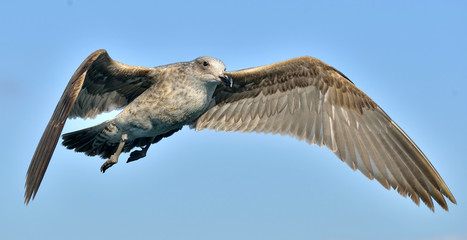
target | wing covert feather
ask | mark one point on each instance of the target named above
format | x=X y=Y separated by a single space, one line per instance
x=110 y=85
x=311 y=101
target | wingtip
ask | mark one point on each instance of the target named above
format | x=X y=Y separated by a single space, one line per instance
x=26 y=201
x=449 y=195
x=28 y=196
x=29 y=193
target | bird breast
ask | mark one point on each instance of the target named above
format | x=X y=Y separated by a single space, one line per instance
x=168 y=104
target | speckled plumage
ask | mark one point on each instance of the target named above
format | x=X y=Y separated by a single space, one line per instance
x=302 y=97
x=177 y=97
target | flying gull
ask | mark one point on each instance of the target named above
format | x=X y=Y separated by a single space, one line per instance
x=302 y=97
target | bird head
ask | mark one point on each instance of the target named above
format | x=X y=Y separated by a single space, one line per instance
x=212 y=70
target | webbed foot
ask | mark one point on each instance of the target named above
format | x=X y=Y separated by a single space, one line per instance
x=137 y=154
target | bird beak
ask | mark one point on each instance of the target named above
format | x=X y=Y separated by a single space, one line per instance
x=226 y=79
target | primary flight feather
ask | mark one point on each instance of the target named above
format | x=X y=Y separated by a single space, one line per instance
x=302 y=97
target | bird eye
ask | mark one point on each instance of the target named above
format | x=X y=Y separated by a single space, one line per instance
x=205 y=63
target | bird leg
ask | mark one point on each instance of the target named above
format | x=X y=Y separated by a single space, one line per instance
x=137 y=154
x=114 y=158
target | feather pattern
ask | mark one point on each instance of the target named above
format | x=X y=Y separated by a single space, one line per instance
x=110 y=85
x=311 y=101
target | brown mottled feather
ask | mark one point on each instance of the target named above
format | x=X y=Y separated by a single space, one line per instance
x=110 y=85
x=99 y=84
x=311 y=101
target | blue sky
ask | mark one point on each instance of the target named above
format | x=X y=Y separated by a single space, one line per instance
x=410 y=57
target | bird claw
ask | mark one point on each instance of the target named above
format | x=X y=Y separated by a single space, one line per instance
x=106 y=165
x=109 y=163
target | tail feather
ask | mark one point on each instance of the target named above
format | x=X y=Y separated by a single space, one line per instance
x=92 y=141
x=96 y=140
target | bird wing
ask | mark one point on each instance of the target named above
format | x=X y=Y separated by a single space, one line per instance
x=108 y=85
x=99 y=84
x=311 y=101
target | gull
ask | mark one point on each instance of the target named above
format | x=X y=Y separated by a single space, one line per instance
x=303 y=97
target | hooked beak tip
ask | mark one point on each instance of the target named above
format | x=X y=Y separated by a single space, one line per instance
x=226 y=80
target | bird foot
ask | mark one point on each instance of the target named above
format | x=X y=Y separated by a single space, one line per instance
x=109 y=163
x=114 y=158
x=135 y=155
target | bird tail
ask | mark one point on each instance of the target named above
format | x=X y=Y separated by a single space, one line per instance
x=92 y=141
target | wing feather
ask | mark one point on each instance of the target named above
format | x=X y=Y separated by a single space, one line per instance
x=311 y=101
x=110 y=85
x=99 y=84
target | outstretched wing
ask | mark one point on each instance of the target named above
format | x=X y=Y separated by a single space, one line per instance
x=311 y=101
x=99 y=84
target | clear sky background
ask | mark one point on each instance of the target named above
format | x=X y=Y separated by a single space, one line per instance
x=409 y=56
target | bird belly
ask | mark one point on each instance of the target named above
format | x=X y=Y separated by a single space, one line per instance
x=157 y=113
